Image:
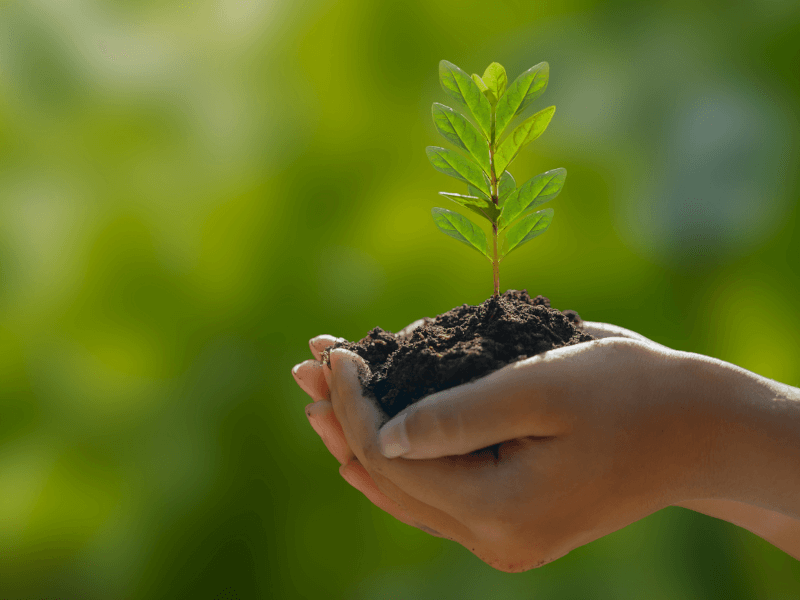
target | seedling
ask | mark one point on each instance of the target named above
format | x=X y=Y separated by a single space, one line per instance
x=493 y=107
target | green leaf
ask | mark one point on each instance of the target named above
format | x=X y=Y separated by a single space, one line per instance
x=477 y=204
x=533 y=225
x=462 y=87
x=495 y=78
x=459 y=227
x=525 y=89
x=486 y=91
x=480 y=206
x=462 y=133
x=473 y=191
x=493 y=211
x=505 y=186
x=536 y=191
x=528 y=130
x=453 y=164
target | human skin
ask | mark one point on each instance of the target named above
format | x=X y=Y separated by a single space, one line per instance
x=667 y=430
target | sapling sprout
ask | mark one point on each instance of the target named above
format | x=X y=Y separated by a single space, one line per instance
x=492 y=191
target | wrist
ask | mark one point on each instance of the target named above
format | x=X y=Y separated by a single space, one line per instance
x=749 y=447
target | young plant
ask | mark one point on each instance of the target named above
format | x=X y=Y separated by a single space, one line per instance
x=489 y=184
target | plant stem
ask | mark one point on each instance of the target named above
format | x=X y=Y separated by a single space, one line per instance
x=495 y=262
x=496 y=200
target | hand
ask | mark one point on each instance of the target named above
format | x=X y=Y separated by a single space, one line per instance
x=779 y=529
x=310 y=377
x=588 y=445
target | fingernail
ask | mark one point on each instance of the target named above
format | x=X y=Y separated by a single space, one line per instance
x=327 y=368
x=297 y=378
x=305 y=381
x=393 y=438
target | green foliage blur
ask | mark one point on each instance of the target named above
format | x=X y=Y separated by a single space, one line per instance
x=190 y=191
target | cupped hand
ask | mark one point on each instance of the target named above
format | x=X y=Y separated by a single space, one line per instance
x=591 y=438
x=775 y=527
x=496 y=486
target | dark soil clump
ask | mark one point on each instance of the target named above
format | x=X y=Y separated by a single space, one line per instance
x=463 y=344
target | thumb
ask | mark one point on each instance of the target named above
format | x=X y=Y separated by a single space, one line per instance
x=468 y=417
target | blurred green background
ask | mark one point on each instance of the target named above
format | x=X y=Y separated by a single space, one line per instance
x=189 y=191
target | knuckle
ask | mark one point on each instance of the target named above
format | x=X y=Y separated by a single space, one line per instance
x=511 y=551
x=428 y=423
x=523 y=560
x=417 y=423
x=514 y=559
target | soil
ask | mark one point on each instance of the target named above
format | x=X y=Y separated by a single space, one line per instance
x=463 y=344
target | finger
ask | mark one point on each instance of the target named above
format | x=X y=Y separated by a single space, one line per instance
x=308 y=375
x=356 y=475
x=357 y=415
x=323 y=420
x=425 y=488
x=604 y=330
x=320 y=342
x=499 y=407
